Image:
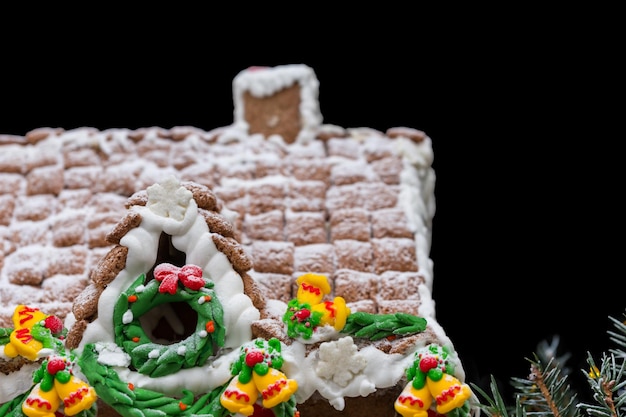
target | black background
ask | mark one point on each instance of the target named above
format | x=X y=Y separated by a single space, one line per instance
x=525 y=121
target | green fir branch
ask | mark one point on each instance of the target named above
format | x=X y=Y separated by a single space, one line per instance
x=495 y=405
x=606 y=384
x=546 y=392
x=618 y=337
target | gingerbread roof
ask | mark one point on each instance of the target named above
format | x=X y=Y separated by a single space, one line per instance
x=355 y=204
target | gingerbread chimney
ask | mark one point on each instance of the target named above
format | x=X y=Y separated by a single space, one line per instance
x=280 y=100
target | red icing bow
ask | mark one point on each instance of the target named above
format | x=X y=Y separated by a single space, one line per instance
x=168 y=275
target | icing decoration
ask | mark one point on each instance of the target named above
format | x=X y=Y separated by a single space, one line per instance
x=56 y=390
x=56 y=385
x=169 y=199
x=130 y=400
x=168 y=275
x=380 y=326
x=15 y=405
x=308 y=311
x=33 y=332
x=171 y=284
x=312 y=288
x=340 y=361
x=430 y=379
x=257 y=375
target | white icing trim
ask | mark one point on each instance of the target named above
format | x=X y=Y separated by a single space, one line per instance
x=21 y=381
x=303 y=368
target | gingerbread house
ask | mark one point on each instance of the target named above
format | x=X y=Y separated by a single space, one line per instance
x=274 y=196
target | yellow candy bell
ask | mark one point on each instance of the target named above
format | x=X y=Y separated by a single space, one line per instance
x=274 y=387
x=76 y=395
x=21 y=341
x=40 y=403
x=239 y=398
x=448 y=392
x=334 y=313
x=26 y=317
x=412 y=402
x=312 y=288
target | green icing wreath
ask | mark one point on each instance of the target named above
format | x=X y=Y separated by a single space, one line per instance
x=155 y=359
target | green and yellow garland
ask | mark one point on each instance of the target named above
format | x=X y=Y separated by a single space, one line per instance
x=309 y=310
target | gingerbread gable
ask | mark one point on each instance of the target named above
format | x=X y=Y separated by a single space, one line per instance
x=173 y=224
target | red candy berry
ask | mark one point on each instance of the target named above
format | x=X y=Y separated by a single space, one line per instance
x=303 y=314
x=253 y=357
x=55 y=365
x=427 y=363
x=54 y=324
